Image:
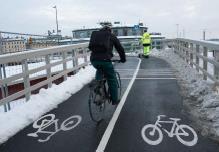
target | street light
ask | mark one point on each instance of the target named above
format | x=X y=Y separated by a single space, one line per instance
x=177 y=30
x=57 y=25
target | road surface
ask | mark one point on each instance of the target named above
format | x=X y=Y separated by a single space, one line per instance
x=154 y=92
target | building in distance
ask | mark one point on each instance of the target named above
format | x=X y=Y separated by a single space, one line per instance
x=12 y=45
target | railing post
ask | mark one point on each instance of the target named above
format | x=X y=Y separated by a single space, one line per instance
x=5 y=87
x=191 y=54
x=75 y=60
x=2 y=88
x=2 y=73
x=1 y=44
x=216 y=68
x=197 y=58
x=64 y=65
x=48 y=70
x=183 y=50
x=175 y=46
x=178 y=47
x=187 y=51
x=85 y=55
x=205 y=63
x=26 y=79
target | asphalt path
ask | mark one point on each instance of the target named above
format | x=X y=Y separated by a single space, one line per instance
x=85 y=137
x=154 y=92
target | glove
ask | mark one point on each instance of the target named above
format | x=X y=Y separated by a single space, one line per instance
x=123 y=60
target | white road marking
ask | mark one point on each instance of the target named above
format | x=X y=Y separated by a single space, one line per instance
x=178 y=130
x=49 y=121
x=149 y=78
x=162 y=69
x=156 y=74
x=102 y=145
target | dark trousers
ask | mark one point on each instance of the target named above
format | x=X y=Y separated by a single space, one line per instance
x=110 y=76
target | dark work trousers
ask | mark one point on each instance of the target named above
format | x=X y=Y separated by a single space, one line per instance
x=110 y=74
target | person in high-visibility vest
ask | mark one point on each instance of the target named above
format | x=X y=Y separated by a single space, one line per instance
x=146 y=41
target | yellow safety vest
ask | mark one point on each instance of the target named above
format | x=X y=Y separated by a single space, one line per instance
x=146 y=39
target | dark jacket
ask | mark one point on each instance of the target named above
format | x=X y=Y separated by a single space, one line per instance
x=102 y=55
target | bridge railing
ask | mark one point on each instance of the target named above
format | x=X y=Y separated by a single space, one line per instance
x=132 y=46
x=26 y=72
x=197 y=54
x=26 y=68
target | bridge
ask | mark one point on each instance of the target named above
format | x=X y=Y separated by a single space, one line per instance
x=44 y=101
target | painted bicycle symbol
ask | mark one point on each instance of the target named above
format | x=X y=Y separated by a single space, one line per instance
x=48 y=122
x=152 y=134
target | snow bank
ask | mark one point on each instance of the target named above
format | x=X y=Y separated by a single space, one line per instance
x=201 y=97
x=47 y=99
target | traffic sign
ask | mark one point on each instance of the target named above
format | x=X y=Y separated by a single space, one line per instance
x=136 y=27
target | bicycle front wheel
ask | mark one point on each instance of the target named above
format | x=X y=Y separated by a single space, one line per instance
x=186 y=135
x=96 y=110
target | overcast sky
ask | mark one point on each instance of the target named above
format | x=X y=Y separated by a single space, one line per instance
x=38 y=16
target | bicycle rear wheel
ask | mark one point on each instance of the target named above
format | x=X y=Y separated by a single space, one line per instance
x=119 y=85
x=96 y=110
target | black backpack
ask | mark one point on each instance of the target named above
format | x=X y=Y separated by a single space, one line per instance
x=100 y=41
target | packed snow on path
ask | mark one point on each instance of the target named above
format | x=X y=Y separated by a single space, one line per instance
x=201 y=97
x=39 y=104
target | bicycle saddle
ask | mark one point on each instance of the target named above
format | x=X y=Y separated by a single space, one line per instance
x=175 y=119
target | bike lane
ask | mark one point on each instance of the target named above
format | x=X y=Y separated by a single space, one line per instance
x=154 y=93
x=84 y=137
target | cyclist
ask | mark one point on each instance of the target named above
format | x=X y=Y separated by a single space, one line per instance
x=101 y=46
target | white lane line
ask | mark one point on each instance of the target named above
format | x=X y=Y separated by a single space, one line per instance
x=161 y=69
x=156 y=74
x=149 y=78
x=102 y=145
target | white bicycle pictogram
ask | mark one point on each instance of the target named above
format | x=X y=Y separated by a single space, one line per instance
x=152 y=133
x=48 y=122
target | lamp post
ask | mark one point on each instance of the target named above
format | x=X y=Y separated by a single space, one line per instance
x=204 y=34
x=177 y=30
x=57 y=25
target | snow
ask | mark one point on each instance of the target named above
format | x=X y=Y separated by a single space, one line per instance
x=201 y=98
x=39 y=104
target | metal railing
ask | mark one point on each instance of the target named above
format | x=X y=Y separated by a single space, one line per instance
x=49 y=63
x=132 y=46
x=196 y=53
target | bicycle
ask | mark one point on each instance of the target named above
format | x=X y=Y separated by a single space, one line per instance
x=99 y=90
x=48 y=125
x=182 y=132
